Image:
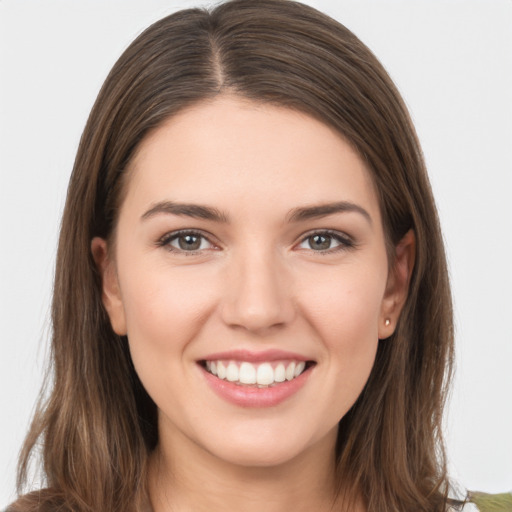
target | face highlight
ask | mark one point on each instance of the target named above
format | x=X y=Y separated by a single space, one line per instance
x=250 y=275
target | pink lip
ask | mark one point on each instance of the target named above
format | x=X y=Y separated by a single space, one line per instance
x=248 y=396
x=255 y=357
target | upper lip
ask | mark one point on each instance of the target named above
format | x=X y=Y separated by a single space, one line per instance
x=255 y=357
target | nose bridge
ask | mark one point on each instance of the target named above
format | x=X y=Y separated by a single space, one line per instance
x=259 y=289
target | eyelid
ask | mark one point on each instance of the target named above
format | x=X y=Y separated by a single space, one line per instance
x=345 y=241
x=165 y=241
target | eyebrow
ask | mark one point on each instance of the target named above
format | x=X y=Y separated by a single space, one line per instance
x=186 y=210
x=322 y=210
x=295 y=215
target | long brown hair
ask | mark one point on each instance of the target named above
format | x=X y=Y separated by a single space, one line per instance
x=98 y=426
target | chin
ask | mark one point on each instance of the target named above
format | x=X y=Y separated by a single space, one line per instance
x=255 y=457
x=271 y=448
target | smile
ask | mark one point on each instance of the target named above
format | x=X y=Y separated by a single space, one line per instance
x=256 y=379
x=263 y=374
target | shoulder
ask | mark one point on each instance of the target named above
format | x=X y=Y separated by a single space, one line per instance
x=483 y=502
x=37 y=501
x=463 y=507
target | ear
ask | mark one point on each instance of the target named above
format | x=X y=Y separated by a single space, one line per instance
x=397 y=286
x=111 y=294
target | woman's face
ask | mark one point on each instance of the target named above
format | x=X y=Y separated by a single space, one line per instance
x=250 y=275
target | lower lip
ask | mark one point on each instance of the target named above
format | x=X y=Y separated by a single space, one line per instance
x=248 y=396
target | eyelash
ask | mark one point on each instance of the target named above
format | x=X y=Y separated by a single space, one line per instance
x=166 y=240
x=345 y=242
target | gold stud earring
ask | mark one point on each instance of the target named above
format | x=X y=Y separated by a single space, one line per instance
x=387 y=322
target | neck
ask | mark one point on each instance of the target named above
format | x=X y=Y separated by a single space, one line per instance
x=193 y=479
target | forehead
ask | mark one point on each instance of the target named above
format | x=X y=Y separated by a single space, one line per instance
x=240 y=153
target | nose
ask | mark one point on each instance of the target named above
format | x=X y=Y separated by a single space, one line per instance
x=258 y=295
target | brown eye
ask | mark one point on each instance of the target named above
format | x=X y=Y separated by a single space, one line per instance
x=185 y=242
x=326 y=241
x=320 y=242
x=189 y=242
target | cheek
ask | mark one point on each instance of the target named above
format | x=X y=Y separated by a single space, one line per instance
x=345 y=300
x=344 y=310
x=164 y=312
x=164 y=309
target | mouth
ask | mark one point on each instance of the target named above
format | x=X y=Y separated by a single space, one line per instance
x=263 y=374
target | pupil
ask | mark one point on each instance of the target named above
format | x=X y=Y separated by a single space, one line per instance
x=189 y=242
x=320 y=242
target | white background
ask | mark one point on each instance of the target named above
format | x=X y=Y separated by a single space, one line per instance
x=452 y=60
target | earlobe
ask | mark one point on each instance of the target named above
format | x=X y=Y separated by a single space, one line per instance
x=111 y=294
x=397 y=287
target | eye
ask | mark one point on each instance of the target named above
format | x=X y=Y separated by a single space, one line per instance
x=186 y=241
x=326 y=241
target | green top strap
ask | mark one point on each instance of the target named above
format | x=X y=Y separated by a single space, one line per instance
x=491 y=502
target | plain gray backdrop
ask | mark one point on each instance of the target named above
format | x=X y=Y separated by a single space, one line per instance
x=452 y=61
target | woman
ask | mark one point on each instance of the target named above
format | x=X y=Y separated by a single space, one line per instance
x=244 y=293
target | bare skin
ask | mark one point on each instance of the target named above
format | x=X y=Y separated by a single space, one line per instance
x=290 y=486
x=250 y=235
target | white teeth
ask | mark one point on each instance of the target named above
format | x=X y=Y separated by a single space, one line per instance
x=263 y=374
x=247 y=373
x=299 y=368
x=290 y=371
x=232 y=372
x=221 y=370
x=280 y=373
